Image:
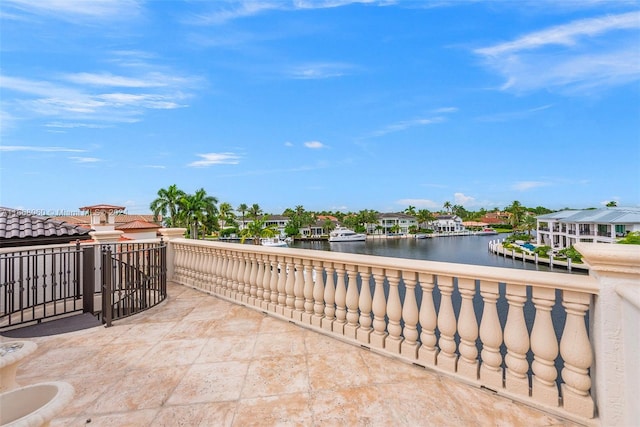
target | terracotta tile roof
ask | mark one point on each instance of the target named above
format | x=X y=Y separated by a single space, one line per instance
x=138 y=225
x=102 y=207
x=18 y=227
x=119 y=219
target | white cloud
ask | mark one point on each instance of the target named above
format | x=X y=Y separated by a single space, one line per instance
x=319 y=70
x=70 y=10
x=314 y=144
x=419 y=203
x=463 y=200
x=288 y=144
x=528 y=185
x=209 y=159
x=85 y=159
x=39 y=149
x=576 y=57
x=400 y=126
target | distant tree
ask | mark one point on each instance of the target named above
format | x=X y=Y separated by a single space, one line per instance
x=633 y=238
x=411 y=210
x=195 y=207
x=424 y=217
x=242 y=208
x=167 y=202
x=254 y=211
x=612 y=204
x=328 y=226
x=517 y=211
x=257 y=229
x=528 y=224
x=447 y=206
x=225 y=214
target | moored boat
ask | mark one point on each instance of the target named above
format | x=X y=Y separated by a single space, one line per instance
x=273 y=242
x=343 y=234
x=487 y=231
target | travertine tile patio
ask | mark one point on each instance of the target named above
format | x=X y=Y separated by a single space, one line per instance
x=196 y=360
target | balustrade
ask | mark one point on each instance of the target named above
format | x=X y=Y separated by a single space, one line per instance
x=442 y=316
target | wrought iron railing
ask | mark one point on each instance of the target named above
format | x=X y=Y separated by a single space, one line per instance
x=46 y=282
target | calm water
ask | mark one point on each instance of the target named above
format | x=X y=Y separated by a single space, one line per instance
x=459 y=249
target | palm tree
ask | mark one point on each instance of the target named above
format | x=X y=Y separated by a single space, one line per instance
x=424 y=217
x=167 y=201
x=194 y=208
x=411 y=210
x=257 y=229
x=516 y=210
x=447 y=206
x=242 y=208
x=254 y=211
x=225 y=213
x=529 y=224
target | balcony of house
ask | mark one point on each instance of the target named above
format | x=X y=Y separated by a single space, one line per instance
x=271 y=336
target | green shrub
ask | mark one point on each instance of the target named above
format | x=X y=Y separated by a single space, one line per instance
x=632 y=238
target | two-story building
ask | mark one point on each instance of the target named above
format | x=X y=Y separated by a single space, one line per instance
x=606 y=225
x=448 y=224
x=389 y=223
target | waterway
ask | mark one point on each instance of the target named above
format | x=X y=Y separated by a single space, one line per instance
x=458 y=249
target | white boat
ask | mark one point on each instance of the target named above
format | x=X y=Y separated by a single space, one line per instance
x=343 y=234
x=487 y=231
x=273 y=242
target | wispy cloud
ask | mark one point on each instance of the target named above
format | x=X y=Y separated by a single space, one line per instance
x=73 y=99
x=210 y=159
x=222 y=12
x=463 y=200
x=85 y=159
x=595 y=53
x=528 y=185
x=512 y=115
x=406 y=124
x=325 y=70
x=314 y=145
x=40 y=149
x=72 y=10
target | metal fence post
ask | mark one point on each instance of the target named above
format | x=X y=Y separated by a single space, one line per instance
x=88 y=279
x=107 y=313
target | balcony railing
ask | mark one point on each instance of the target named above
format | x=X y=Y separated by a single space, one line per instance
x=522 y=334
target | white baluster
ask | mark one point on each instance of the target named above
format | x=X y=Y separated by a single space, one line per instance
x=329 y=299
x=282 y=290
x=576 y=352
x=409 y=346
x=365 y=303
x=266 y=283
x=516 y=339
x=447 y=358
x=467 y=330
x=298 y=290
x=394 y=313
x=352 y=299
x=246 y=280
x=234 y=275
x=379 y=310
x=341 y=300
x=260 y=281
x=491 y=337
x=318 y=295
x=428 y=321
x=274 y=283
x=289 y=288
x=253 y=280
x=307 y=292
x=544 y=345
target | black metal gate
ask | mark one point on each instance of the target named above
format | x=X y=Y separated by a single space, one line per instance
x=48 y=282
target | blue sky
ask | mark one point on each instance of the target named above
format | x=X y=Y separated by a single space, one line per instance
x=328 y=104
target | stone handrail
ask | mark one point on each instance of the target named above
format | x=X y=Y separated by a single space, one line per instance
x=520 y=333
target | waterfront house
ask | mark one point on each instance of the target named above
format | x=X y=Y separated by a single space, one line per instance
x=389 y=221
x=21 y=228
x=563 y=229
x=448 y=224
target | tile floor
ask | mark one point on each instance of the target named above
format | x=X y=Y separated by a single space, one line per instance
x=196 y=360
